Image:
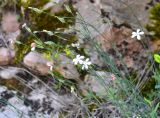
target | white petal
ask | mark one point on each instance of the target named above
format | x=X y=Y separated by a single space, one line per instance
x=133 y=35
x=138 y=37
x=33 y=49
x=51 y=68
x=77 y=56
x=89 y=63
x=87 y=59
x=86 y=66
x=72 y=45
x=138 y=30
x=141 y=33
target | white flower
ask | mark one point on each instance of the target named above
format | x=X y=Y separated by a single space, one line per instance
x=113 y=77
x=137 y=34
x=24 y=25
x=78 y=59
x=50 y=65
x=33 y=46
x=86 y=63
x=75 y=45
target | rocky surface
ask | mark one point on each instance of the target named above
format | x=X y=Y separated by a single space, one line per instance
x=6 y=56
x=36 y=61
x=39 y=103
x=97 y=82
x=110 y=18
x=132 y=12
x=132 y=52
x=66 y=68
x=62 y=64
x=90 y=15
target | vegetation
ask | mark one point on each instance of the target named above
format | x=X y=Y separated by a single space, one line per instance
x=47 y=31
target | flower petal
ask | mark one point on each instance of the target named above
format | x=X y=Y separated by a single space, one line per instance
x=138 y=37
x=141 y=33
x=138 y=30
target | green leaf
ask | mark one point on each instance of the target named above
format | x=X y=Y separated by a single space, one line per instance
x=148 y=101
x=60 y=19
x=38 y=42
x=157 y=58
x=67 y=51
x=153 y=114
x=36 y=10
x=68 y=8
x=18 y=42
x=40 y=46
x=49 y=43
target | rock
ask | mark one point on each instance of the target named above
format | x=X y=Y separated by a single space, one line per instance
x=98 y=82
x=91 y=14
x=10 y=26
x=155 y=45
x=132 y=52
x=6 y=56
x=55 y=5
x=36 y=61
x=2 y=89
x=63 y=65
x=9 y=73
x=12 y=38
x=127 y=11
x=119 y=12
x=38 y=103
x=93 y=55
x=10 y=22
x=67 y=68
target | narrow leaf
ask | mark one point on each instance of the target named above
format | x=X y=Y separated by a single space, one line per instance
x=68 y=8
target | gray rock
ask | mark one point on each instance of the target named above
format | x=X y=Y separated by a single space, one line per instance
x=36 y=61
x=9 y=73
x=98 y=83
x=132 y=12
x=94 y=56
x=6 y=56
x=10 y=22
x=91 y=15
x=67 y=68
x=63 y=65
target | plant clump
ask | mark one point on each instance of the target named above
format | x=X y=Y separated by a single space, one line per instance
x=154 y=26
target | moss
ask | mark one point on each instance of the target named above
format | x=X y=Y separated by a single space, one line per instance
x=22 y=48
x=33 y=3
x=39 y=22
x=154 y=25
x=12 y=84
x=149 y=87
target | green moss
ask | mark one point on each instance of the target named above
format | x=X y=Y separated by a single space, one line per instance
x=154 y=25
x=149 y=87
x=33 y=3
x=12 y=84
x=22 y=48
x=41 y=21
